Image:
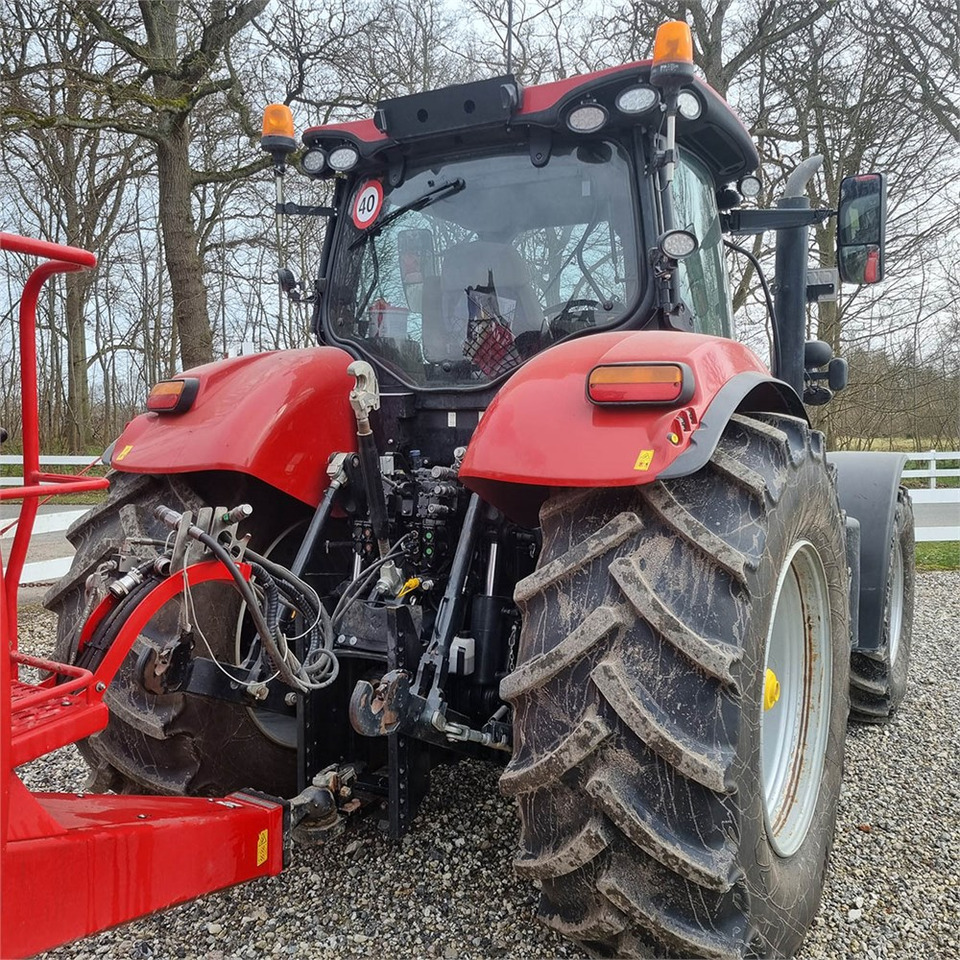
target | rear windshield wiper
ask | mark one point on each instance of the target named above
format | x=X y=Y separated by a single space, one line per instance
x=440 y=192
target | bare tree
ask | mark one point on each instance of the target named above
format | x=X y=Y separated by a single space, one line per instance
x=919 y=40
x=156 y=66
x=69 y=180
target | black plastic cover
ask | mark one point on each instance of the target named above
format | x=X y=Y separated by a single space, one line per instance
x=465 y=106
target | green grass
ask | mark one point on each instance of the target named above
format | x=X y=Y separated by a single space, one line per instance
x=939 y=555
x=921 y=483
x=87 y=499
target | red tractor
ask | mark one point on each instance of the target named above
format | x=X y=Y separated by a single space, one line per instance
x=527 y=499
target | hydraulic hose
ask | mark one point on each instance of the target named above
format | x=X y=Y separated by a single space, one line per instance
x=280 y=657
x=317 y=523
x=306 y=599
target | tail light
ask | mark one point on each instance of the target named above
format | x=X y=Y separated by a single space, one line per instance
x=173 y=396
x=657 y=383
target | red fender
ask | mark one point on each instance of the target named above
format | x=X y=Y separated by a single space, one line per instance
x=541 y=431
x=274 y=416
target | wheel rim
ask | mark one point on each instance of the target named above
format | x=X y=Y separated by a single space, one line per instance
x=896 y=602
x=214 y=610
x=795 y=720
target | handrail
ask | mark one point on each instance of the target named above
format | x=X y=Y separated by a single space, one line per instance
x=83 y=259
x=59 y=259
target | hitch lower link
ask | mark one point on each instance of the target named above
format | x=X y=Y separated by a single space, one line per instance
x=391 y=706
x=319 y=812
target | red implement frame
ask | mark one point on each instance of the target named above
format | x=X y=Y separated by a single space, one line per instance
x=124 y=856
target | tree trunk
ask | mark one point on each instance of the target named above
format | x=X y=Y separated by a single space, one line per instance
x=77 y=425
x=184 y=264
x=78 y=390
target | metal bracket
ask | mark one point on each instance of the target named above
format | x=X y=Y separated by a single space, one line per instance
x=215 y=521
x=181 y=542
x=301 y=210
x=365 y=396
x=166 y=669
x=492 y=735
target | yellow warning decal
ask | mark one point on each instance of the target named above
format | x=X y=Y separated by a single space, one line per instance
x=123 y=453
x=644 y=460
x=263 y=842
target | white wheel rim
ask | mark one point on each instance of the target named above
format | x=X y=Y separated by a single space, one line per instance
x=896 y=602
x=795 y=729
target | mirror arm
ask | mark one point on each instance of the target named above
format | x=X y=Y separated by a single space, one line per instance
x=745 y=222
x=299 y=210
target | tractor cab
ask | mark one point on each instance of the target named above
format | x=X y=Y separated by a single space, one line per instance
x=493 y=260
x=475 y=226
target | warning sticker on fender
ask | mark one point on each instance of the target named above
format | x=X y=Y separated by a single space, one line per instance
x=644 y=460
x=263 y=843
x=367 y=204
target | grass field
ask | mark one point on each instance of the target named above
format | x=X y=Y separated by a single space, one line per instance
x=939 y=555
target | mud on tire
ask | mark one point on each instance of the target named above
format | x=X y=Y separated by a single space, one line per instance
x=638 y=698
x=173 y=743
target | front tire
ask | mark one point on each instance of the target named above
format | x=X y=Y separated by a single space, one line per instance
x=878 y=679
x=640 y=733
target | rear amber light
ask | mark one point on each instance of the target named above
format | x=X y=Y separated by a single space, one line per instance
x=654 y=383
x=173 y=396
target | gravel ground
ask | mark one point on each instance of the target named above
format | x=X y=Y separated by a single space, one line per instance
x=448 y=889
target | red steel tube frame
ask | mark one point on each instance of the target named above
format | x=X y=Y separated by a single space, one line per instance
x=132 y=855
x=60 y=259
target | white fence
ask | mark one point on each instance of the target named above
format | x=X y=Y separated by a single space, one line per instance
x=17 y=461
x=944 y=510
x=944 y=506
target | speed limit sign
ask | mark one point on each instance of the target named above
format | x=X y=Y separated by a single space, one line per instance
x=367 y=204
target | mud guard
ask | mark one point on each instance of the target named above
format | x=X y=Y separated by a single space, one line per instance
x=275 y=416
x=868 y=484
x=542 y=432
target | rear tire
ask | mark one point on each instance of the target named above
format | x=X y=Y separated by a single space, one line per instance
x=878 y=680
x=171 y=743
x=638 y=703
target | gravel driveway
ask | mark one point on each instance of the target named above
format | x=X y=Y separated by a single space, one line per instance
x=448 y=889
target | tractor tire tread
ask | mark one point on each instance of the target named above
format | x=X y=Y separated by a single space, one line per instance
x=877 y=686
x=622 y=865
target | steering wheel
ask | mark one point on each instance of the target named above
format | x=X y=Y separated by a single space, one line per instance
x=566 y=308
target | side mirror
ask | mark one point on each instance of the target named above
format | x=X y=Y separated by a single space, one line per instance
x=861 y=226
x=816 y=353
x=289 y=283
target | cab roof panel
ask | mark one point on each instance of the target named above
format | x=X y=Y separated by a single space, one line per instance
x=717 y=136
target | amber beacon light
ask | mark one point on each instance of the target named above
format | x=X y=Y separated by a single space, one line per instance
x=277 y=130
x=672 y=52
